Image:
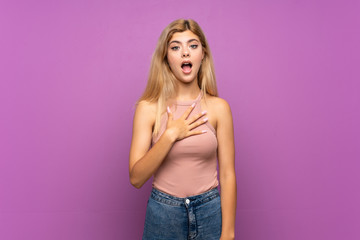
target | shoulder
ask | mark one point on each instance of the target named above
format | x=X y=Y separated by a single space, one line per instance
x=224 y=122
x=219 y=105
x=219 y=112
x=146 y=106
x=146 y=111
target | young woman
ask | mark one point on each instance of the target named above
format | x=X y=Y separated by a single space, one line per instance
x=181 y=130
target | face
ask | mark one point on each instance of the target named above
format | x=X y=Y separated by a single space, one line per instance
x=184 y=55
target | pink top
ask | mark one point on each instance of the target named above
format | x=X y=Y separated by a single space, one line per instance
x=190 y=166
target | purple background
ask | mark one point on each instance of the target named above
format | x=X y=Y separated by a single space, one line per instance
x=71 y=72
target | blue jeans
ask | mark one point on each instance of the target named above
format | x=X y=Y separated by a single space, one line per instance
x=172 y=218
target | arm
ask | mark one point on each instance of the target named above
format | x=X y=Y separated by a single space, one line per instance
x=226 y=156
x=144 y=162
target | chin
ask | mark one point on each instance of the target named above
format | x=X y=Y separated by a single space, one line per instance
x=187 y=79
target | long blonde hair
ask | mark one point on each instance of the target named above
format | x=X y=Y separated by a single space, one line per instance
x=161 y=81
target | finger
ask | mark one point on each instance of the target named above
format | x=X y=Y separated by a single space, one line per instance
x=196 y=117
x=192 y=133
x=188 y=111
x=170 y=115
x=198 y=123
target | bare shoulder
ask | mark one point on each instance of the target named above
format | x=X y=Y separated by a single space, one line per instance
x=149 y=107
x=219 y=112
x=218 y=105
x=146 y=111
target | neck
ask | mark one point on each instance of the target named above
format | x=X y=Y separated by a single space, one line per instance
x=187 y=91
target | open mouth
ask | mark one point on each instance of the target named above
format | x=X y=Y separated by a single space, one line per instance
x=186 y=67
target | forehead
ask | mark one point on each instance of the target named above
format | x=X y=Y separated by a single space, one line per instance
x=184 y=36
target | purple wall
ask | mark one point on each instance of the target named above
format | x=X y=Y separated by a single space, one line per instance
x=71 y=72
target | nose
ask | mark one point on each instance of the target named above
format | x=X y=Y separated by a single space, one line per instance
x=185 y=53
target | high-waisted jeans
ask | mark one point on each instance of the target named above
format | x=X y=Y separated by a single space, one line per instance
x=172 y=218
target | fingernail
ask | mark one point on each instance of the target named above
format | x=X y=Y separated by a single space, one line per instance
x=205 y=119
x=203 y=112
x=168 y=109
x=204 y=131
x=193 y=105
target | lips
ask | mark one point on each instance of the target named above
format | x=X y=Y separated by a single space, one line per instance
x=186 y=67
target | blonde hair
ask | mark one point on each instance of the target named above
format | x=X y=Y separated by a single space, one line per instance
x=161 y=81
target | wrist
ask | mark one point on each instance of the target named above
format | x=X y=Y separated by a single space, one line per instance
x=227 y=235
x=170 y=135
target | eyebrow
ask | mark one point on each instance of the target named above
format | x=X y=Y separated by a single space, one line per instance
x=191 y=40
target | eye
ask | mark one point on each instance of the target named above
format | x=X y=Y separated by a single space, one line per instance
x=193 y=46
x=175 y=48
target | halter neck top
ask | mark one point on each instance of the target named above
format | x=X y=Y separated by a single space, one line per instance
x=190 y=168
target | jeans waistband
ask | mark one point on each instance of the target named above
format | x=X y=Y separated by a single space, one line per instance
x=176 y=201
